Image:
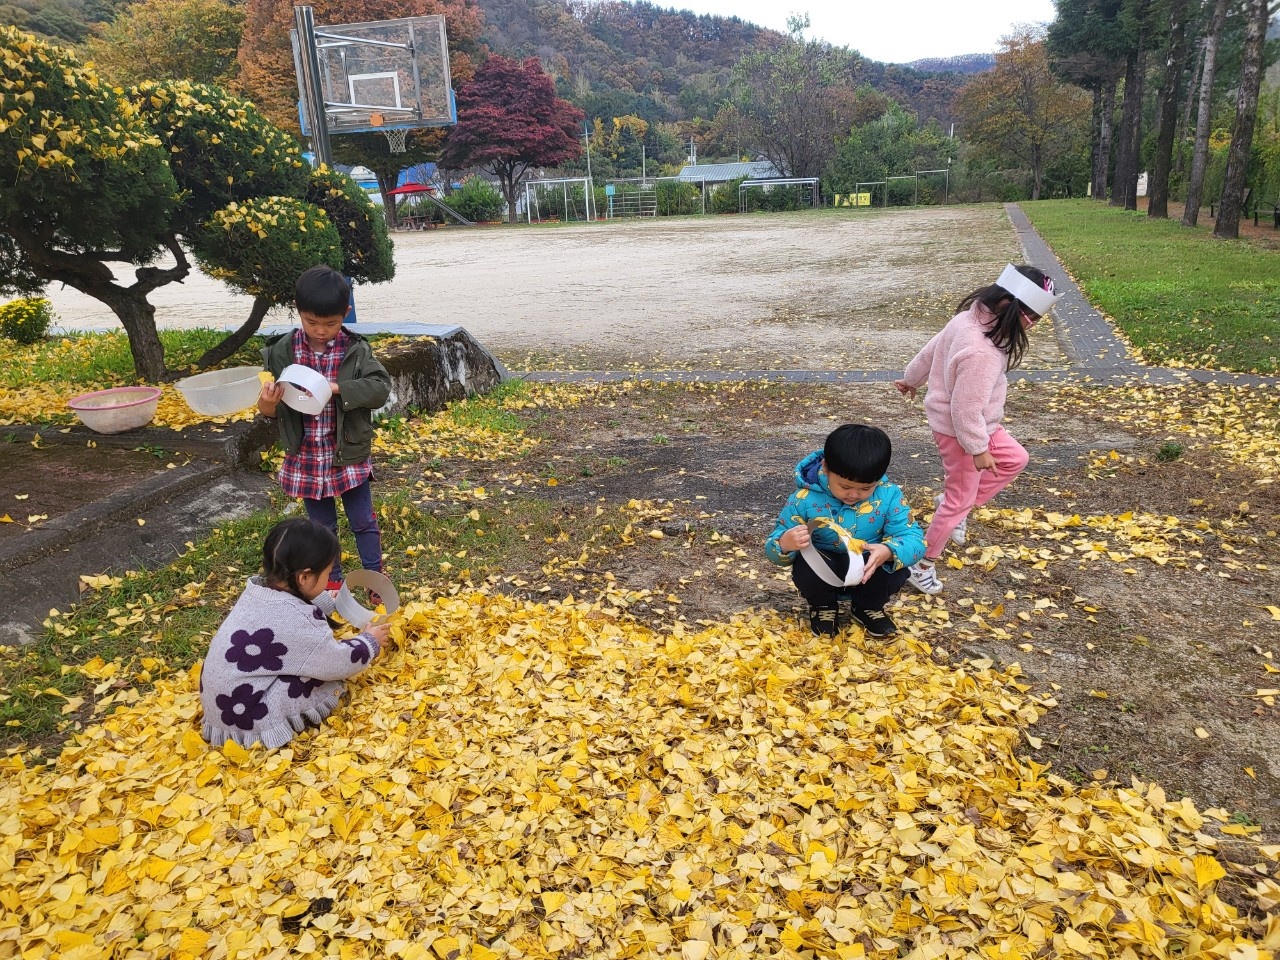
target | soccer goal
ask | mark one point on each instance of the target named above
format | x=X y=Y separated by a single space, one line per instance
x=565 y=200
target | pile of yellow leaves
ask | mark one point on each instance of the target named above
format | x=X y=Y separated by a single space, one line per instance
x=536 y=780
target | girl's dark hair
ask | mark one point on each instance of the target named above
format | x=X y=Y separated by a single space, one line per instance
x=857 y=452
x=294 y=546
x=322 y=291
x=1007 y=332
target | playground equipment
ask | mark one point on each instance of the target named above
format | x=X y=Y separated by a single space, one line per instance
x=575 y=204
x=422 y=192
x=384 y=76
x=809 y=189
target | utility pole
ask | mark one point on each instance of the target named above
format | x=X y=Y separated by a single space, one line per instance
x=591 y=184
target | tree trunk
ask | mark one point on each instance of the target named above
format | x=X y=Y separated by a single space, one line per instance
x=1124 y=192
x=1095 y=141
x=1180 y=135
x=234 y=342
x=386 y=183
x=1102 y=164
x=507 y=179
x=1128 y=118
x=1227 y=226
x=1037 y=172
x=138 y=318
x=1200 y=151
x=1162 y=162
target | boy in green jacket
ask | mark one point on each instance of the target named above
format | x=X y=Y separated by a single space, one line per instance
x=328 y=455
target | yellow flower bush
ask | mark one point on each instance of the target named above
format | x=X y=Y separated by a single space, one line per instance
x=26 y=320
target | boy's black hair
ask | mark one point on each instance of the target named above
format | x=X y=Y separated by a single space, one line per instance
x=1007 y=332
x=322 y=291
x=857 y=452
x=294 y=546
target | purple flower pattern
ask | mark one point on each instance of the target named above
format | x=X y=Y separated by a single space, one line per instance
x=256 y=651
x=360 y=652
x=242 y=707
x=300 y=686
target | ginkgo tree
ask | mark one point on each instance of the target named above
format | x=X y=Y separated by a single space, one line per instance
x=97 y=175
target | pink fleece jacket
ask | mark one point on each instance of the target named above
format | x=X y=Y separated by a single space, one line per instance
x=966 y=376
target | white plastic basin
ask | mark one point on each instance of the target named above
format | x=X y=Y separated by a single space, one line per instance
x=221 y=392
x=118 y=409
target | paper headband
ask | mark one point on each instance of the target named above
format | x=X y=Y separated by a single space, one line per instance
x=851 y=543
x=306 y=390
x=1037 y=298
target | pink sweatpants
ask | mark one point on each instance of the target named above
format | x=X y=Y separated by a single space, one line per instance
x=966 y=487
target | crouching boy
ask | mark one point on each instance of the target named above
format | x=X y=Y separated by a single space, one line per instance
x=846 y=531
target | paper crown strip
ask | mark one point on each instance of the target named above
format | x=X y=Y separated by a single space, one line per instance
x=1027 y=292
x=306 y=390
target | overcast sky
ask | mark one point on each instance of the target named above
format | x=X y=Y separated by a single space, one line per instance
x=893 y=31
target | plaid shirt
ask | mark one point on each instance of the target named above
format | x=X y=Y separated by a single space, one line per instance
x=310 y=472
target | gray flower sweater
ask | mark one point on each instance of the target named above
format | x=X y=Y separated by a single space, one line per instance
x=274 y=667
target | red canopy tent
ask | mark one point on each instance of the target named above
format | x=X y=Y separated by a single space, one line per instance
x=416 y=215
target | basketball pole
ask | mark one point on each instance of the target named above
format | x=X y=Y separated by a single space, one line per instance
x=304 y=21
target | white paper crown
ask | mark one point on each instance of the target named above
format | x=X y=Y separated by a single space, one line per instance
x=1026 y=291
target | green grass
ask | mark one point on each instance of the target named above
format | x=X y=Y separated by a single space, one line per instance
x=1179 y=295
x=168 y=614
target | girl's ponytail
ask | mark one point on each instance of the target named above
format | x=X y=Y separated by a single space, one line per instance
x=294 y=546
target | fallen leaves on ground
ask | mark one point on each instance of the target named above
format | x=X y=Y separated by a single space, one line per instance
x=1240 y=422
x=520 y=779
x=47 y=402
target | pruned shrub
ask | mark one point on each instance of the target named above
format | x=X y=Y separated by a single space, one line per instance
x=26 y=320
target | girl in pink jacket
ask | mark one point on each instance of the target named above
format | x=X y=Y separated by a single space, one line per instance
x=965 y=366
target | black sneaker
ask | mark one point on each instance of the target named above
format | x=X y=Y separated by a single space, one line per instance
x=824 y=621
x=877 y=623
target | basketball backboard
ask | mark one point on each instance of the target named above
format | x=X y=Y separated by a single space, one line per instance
x=378 y=76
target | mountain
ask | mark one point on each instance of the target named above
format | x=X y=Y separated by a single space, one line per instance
x=62 y=21
x=968 y=63
x=612 y=58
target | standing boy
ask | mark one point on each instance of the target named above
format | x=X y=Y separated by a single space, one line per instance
x=328 y=455
x=846 y=509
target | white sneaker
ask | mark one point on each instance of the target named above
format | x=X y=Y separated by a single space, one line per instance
x=961 y=533
x=924 y=577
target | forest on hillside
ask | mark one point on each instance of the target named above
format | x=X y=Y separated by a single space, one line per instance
x=1110 y=89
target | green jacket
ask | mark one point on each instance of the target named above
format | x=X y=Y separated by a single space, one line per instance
x=364 y=386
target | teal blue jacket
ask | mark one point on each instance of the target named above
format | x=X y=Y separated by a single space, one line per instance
x=883 y=517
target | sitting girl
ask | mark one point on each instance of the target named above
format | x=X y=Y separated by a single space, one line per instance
x=274 y=667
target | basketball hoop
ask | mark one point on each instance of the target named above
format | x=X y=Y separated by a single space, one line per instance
x=395 y=139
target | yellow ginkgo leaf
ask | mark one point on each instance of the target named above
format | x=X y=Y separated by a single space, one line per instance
x=1207 y=870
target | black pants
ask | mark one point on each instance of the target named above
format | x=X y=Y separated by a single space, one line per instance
x=872 y=595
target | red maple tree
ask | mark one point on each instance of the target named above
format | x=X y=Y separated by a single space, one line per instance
x=510 y=120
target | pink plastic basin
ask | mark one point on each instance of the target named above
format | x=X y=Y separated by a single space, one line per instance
x=116 y=410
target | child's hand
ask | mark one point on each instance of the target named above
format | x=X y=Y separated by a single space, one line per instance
x=333 y=388
x=877 y=555
x=269 y=398
x=906 y=389
x=984 y=461
x=796 y=538
x=380 y=632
